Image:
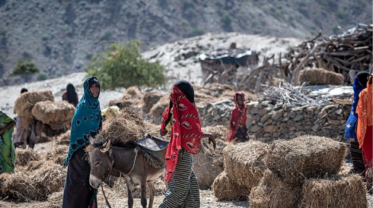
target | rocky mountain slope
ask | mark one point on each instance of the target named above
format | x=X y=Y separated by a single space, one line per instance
x=62 y=36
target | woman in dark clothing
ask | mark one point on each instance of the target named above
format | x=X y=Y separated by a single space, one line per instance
x=358 y=167
x=182 y=121
x=86 y=121
x=70 y=95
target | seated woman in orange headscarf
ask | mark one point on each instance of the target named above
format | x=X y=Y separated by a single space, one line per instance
x=238 y=127
x=365 y=128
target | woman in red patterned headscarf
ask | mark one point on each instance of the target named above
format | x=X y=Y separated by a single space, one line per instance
x=238 y=131
x=182 y=121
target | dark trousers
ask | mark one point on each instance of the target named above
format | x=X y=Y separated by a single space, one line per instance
x=357 y=158
x=78 y=192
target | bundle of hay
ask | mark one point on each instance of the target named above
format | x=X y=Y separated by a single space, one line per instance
x=320 y=76
x=226 y=189
x=58 y=154
x=157 y=110
x=24 y=156
x=125 y=103
x=335 y=192
x=127 y=126
x=132 y=93
x=272 y=192
x=55 y=200
x=208 y=157
x=149 y=100
x=24 y=104
x=244 y=162
x=63 y=139
x=305 y=157
x=36 y=185
x=152 y=129
x=53 y=112
x=34 y=165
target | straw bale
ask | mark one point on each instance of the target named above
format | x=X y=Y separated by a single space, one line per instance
x=64 y=139
x=49 y=179
x=319 y=76
x=132 y=93
x=24 y=104
x=226 y=189
x=126 y=127
x=208 y=157
x=19 y=187
x=244 y=162
x=157 y=110
x=341 y=191
x=24 y=156
x=272 y=192
x=305 y=157
x=53 y=112
x=149 y=100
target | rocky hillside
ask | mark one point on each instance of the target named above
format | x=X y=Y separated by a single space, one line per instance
x=62 y=36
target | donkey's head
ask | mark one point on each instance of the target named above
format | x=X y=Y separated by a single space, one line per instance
x=101 y=160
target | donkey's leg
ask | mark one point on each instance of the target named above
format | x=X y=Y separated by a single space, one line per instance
x=151 y=193
x=143 y=192
x=130 y=188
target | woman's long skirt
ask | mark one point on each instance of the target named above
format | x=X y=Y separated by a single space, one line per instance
x=183 y=189
x=78 y=192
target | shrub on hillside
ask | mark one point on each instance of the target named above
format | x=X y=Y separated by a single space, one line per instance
x=123 y=66
x=25 y=68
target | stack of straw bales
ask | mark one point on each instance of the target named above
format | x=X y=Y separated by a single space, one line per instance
x=149 y=100
x=319 y=76
x=53 y=113
x=295 y=169
x=157 y=109
x=208 y=157
x=243 y=169
x=24 y=104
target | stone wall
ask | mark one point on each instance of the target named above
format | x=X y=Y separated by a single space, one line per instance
x=269 y=121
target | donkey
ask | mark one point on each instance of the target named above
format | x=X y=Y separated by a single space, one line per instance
x=127 y=161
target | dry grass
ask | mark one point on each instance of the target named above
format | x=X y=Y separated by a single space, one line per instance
x=53 y=112
x=320 y=76
x=244 y=162
x=132 y=93
x=149 y=100
x=305 y=157
x=24 y=156
x=63 y=139
x=341 y=191
x=157 y=110
x=58 y=154
x=226 y=189
x=272 y=192
x=33 y=185
x=24 y=104
x=125 y=127
x=208 y=157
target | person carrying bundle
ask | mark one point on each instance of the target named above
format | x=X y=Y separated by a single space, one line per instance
x=181 y=119
x=238 y=132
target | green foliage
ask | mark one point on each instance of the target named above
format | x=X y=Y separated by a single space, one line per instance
x=196 y=32
x=41 y=77
x=191 y=12
x=45 y=38
x=88 y=56
x=3 y=33
x=335 y=29
x=107 y=36
x=341 y=15
x=225 y=19
x=26 y=56
x=123 y=66
x=25 y=68
x=219 y=3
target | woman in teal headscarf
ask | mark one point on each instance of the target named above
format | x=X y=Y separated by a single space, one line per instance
x=7 y=151
x=86 y=122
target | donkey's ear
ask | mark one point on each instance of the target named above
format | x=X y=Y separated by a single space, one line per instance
x=91 y=141
x=105 y=146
